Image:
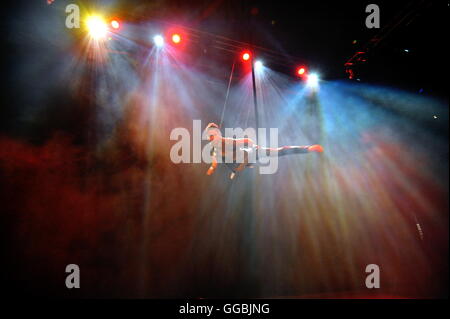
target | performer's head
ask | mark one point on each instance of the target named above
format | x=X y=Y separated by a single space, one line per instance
x=212 y=131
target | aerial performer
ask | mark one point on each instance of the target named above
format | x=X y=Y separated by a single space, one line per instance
x=225 y=147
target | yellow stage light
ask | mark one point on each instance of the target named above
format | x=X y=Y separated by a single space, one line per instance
x=97 y=27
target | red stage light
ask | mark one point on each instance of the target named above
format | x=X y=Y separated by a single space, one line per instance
x=115 y=24
x=301 y=71
x=176 y=38
x=246 y=56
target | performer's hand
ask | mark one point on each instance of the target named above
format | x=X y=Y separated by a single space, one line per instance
x=210 y=171
x=316 y=148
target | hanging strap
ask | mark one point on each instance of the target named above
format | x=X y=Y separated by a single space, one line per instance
x=228 y=92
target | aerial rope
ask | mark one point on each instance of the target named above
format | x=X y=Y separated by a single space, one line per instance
x=228 y=92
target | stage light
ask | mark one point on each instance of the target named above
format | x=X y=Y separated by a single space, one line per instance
x=313 y=80
x=96 y=27
x=176 y=38
x=158 y=40
x=115 y=24
x=246 y=56
x=301 y=71
x=259 y=65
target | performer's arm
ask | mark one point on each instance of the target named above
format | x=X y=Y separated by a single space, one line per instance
x=213 y=166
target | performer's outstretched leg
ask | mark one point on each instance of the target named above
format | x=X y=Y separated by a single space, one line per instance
x=288 y=150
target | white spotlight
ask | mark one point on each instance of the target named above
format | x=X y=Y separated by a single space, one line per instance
x=313 y=80
x=158 y=40
x=259 y=65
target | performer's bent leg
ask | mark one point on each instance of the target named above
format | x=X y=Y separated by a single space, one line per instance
x=242 y=165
